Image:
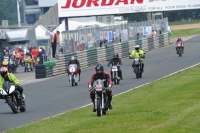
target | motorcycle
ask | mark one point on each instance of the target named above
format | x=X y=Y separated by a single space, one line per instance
x=179 y=49
x=28 y=64
x=137 y=67
x=13 y=97
x=114 y=74
x=73 y=74
x=101 y=98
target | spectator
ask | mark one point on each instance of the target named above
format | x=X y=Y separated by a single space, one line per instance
x=34 y=53
x=54 y=42
x=30 y=48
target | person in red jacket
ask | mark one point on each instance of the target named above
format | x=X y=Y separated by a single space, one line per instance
x=34 y=53
x=100 y=74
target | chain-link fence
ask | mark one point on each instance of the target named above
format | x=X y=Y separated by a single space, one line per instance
x=91 y=38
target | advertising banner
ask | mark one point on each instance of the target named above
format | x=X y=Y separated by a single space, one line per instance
x=124 y=35
x=69 y=8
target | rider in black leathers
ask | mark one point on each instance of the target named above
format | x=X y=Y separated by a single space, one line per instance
x=101 y=74
x=114 y=61
x=75 y=61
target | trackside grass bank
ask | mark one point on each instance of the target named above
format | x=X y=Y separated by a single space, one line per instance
x=185 y=32
x=171 y=105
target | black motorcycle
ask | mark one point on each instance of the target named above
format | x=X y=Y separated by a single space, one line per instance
x=137 y=67
x=180 y=50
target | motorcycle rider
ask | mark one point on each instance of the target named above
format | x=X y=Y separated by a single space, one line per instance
x=5 y=61
x=100 y=74
x=75 y=61
x=6 y=76
x=114 y=61
x=138 y=53
x=181 y=43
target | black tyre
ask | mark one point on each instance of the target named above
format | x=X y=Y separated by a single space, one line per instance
x=99 y=109
x=40 y=66
x=137 y=73
x=13 y=104
x=23 y=107
x=42 y=71
x=38 y=76
x=140 y=75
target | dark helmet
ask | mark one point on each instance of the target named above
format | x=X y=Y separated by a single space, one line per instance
x=116 y=56
x=137 y=47
x=99 y=67
x=179 y=38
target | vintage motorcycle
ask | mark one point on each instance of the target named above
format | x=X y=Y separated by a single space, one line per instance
x=101 y=98
x=73 y=74
x=13 y=97
x=28 y=64
x=114 y=74
x=179 y=49
x=137 y=67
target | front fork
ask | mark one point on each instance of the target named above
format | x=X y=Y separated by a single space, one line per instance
x=102 y=100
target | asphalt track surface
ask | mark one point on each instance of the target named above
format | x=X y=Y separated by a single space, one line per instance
x=56 y=95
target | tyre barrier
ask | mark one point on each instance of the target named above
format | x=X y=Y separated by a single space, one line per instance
x=40 y=71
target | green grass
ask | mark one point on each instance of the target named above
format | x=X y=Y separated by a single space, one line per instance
x=185 y=32
x=171 y=105
x=184 y=22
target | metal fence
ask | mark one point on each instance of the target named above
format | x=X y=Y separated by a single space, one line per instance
x=92 y=38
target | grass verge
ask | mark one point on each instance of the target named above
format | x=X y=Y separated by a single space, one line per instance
x=185 y=32
x=171 y=105
x=184 y=22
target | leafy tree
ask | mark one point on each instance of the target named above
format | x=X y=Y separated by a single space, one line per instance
x=8 y=11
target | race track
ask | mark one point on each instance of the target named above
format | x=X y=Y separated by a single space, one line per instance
x=55 y=95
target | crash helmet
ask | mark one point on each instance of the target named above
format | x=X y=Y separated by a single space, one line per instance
x=4 y=71
x=99 y=69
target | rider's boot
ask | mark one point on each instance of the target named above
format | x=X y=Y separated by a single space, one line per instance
x=109 y=102
x=94 y=110
x=110 y=105
x=23 y=96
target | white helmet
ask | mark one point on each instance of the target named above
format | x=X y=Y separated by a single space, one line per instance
x=137 y=47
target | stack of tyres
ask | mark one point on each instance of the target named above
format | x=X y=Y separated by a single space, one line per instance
x=49 y=72
x=40 y=71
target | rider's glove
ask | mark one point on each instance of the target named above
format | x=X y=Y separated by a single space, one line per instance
x=90 y=88
x=109 y=88
x=16 y=86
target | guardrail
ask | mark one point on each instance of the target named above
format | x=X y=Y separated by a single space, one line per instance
x=91 y=57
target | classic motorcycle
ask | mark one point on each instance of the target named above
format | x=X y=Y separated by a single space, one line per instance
x=13 y=97
x=114 y=74
x=101 y=98
x=179 y=49
x=73 y=74
x=28 y=64
x=137 y=67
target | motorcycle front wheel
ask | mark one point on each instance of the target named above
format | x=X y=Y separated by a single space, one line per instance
x=12 y=102
x=99 y=107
